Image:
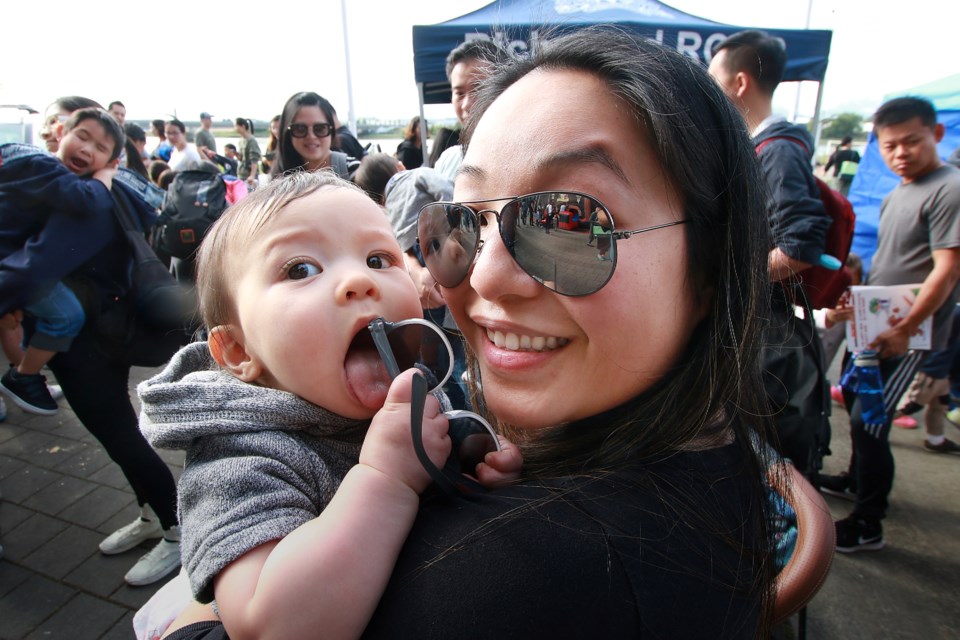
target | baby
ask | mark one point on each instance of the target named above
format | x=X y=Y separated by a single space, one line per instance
x=278 y=492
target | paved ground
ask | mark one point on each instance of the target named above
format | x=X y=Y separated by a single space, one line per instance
x=62 y=495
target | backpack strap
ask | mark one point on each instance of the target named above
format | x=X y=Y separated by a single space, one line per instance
x=760 y=147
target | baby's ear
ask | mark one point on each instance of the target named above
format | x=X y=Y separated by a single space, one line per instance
x=226 y=347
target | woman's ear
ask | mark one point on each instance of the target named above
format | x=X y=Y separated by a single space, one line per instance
x=227 y=348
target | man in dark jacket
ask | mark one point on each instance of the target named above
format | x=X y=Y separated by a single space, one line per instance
x=749 y=65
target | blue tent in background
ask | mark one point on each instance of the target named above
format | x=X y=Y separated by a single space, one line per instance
x=517 y=24
x=874 y=180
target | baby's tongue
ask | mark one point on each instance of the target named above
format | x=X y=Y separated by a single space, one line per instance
x=367 y=377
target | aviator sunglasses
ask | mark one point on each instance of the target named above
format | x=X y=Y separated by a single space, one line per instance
x=419 y=344
x=564 y=240
x=300 y=130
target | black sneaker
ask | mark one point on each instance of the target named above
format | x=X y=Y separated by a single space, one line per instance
x=858 y=534
x=840 y=485
x=947 y=446
x=29 y=392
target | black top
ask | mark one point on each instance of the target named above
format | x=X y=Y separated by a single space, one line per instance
x=653 y=552
x=409 y=154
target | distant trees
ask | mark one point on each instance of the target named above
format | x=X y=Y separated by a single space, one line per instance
x=844 y=124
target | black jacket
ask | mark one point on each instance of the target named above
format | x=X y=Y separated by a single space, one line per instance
x=798 y=221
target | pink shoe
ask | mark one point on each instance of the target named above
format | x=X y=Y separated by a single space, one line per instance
x=905 y=422
x=836 y=393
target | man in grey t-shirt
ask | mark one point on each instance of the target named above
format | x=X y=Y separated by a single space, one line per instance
x=205 y=139
x=918 y=243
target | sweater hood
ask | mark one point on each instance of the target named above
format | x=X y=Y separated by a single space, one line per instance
x=192 y=397
x=784 y=129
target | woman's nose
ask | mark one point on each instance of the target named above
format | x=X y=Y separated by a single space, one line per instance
x=495 y=273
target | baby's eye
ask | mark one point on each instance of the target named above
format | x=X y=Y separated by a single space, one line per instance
x=380 y=261
x=301 y=270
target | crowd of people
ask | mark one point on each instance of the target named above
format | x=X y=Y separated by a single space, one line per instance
x=305 y=504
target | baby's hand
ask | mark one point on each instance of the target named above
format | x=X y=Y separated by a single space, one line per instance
x=500 y=468
x=105 y=176
x=388 y=446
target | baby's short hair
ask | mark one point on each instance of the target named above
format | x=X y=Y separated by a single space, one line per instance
x=107 y=121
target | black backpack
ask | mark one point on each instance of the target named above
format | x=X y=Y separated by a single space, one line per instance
x=193 y=203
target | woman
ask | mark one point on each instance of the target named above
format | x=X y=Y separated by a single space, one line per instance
x=97 y=387
x=184 y=156
x=135 y=147
x=249 y=152
x=164 y=148
x=307 y=130
x=641 y=511
x=410 y=151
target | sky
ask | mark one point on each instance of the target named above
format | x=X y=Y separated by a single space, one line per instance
x=244 y=59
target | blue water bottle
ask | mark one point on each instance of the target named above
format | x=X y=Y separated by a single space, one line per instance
x=863 y=378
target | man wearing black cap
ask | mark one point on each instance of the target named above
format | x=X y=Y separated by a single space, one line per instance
x=205 y=139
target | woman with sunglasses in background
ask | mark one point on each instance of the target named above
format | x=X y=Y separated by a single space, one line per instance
x=631 y=384
x=307 y=130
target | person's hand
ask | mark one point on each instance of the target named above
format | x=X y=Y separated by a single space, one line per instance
x=105 y=176
x=500 y=468
x=892 y=343
x=840 y=313
x=206 y=151
x=388 y=446
x=12 y=320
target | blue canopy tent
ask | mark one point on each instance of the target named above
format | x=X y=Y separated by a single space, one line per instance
x=874 y=180
x=517 y=26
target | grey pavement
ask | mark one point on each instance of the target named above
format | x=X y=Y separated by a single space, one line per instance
x=62 y=495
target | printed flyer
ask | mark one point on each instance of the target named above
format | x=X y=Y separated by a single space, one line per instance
x=876 y=309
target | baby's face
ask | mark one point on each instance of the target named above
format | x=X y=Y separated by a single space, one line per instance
x=86 y=148
x=308 y=284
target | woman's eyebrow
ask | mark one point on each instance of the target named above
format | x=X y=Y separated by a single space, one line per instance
x=559 y=160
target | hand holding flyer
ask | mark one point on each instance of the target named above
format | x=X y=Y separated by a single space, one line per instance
x=876 y=309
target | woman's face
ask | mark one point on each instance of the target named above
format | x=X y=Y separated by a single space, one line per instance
x=314 y=151
x=275 y=128
x=54 y=117
x=598 y=351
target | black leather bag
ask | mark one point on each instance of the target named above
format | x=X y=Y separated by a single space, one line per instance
x=147 y=325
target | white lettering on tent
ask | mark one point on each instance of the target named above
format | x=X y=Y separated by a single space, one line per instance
x=712 y=40
x=643 y=7
x=688 y=43
x=659 y=36
x=519 y=49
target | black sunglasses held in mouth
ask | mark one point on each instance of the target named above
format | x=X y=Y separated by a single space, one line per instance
x=419 y=344
x=300 y=130
x=564 y=240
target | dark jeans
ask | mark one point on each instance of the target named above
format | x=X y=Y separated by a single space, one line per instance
x=97 y=390
x=871 y=461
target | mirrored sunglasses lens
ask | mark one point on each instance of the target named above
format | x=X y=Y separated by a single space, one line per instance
x=448 y=241
x=415 y=345
x=471 y=440
x=555 y=238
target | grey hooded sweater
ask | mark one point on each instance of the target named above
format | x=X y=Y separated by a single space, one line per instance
x=260 y=462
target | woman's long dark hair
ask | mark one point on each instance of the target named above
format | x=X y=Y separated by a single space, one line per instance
x=134 y=161
x=715 y=387
x=287 y=158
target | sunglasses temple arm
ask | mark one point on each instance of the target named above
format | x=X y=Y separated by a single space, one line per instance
x=417 y=401
x=379 y=333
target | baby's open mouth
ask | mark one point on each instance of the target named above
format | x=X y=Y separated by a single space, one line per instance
x=366 y=375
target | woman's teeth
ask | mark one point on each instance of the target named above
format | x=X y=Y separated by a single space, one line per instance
x=514 y=342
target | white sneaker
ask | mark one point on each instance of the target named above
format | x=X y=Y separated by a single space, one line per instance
x=162 y=560
x=126 y=538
